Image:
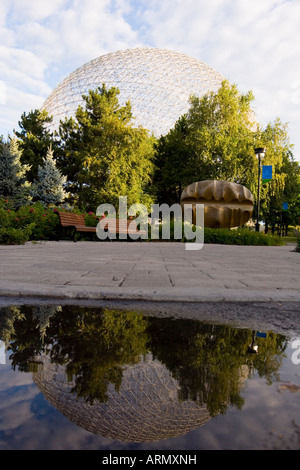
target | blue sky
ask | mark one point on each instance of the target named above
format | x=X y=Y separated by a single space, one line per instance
x=253 y=44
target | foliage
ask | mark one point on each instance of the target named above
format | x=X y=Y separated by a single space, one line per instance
x=49 y=187
x=209 y=362
x=240 y=237
x=36 y=222
x=45 y=221
x=35 y=140
x=285 y=183
x=214 y=140
x=16 y=236
x=103 y=155
x=13 y=183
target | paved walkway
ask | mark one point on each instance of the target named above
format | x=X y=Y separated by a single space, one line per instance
x=157 y=271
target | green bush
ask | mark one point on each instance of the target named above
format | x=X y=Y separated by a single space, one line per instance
x=43 y=223
x=46 y=221
x=15 y=236
x=240 y=236
x=90 y=219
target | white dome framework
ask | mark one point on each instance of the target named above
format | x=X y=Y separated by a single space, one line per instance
x=157 y=82
x=145 y=409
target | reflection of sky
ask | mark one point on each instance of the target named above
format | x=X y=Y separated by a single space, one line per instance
x=270 y=418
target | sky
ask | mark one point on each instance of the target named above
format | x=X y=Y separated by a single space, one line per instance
x=254 y=45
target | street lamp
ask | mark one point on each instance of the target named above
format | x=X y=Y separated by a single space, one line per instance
x=260 y=153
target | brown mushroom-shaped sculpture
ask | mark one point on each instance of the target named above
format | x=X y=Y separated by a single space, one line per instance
x=226 y=204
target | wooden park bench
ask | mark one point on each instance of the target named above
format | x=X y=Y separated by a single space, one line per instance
x=122 y=226
x=76 y=223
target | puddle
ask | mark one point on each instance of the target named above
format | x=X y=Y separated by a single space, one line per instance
x=81 y=378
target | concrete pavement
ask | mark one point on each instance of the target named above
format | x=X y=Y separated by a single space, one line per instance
x=156 y=271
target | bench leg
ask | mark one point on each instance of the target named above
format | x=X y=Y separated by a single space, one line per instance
x=76 y=236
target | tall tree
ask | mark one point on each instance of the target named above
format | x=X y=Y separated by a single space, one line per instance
x=35 y=140
x=214 y=140
x=283 y=188
x=103 y=155
x=285 y=172
x=13 y=184
x=49 y=187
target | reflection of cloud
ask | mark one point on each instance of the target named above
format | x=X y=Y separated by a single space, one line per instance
x=16 y=395
x=9 y=378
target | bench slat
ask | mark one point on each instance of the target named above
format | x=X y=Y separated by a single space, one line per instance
x=118 y=226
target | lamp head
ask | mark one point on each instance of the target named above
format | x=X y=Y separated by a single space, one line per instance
x=260 y=152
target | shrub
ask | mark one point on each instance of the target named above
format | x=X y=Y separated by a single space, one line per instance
x=240 y=237
x=90 y=219
x=15 y=236
x=45 y=221
x=232 y=237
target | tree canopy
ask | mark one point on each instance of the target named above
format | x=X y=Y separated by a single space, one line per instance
x=213 y=140
x=34 y=140
x=103 y=155
x=216 y=139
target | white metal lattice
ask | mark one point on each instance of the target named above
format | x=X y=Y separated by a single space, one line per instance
x=157 y=82
x=145 y=408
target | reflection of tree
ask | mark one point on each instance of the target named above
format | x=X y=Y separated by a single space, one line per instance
x=209 y=361
x=93 y=345
x=269 y=358
x=21 y=332
x=8 y=315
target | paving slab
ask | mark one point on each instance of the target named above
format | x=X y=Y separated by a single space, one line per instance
x=156 y=271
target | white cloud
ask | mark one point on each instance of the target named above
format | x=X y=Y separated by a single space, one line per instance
x=33 y=10
x=253 y=44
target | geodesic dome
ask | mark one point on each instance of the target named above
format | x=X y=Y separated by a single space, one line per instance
x=146 y=407
x=157 y=82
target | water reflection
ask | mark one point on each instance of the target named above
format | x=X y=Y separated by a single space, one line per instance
x=133 y=377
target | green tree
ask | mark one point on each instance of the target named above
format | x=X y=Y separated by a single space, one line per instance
x=35 y=140
x=13 y=184
x=214 y=140
x=103 y=155
x=284 y=186
x=49 y=187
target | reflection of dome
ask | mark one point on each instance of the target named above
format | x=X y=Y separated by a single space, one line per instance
x=157 y=82
x=146 y=408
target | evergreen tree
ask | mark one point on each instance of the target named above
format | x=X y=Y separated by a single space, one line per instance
x=13 y=184
x=49 y=187
x=35 y=140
